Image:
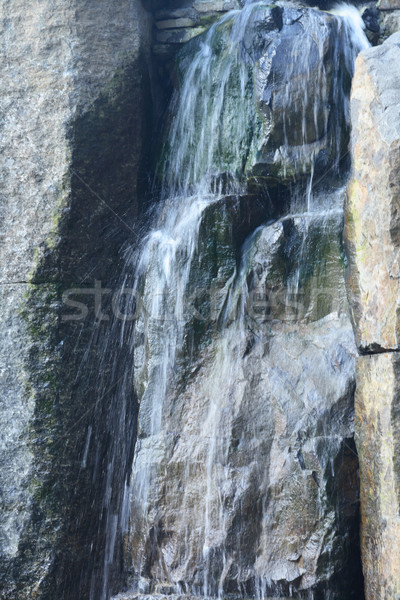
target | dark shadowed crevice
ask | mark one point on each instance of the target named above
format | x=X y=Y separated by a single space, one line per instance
x=344 y=490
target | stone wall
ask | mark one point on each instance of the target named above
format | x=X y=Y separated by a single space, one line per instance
x=373 y=242
x=73 y=125
x=176 y=25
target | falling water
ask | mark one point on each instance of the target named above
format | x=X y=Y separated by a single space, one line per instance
x=214 y=145
x=195 y=156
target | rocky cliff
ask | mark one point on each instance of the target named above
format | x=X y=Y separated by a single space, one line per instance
x=73 y=122
x=245 y=478
x=372 y=232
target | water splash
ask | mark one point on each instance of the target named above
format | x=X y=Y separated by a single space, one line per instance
x=354 y=29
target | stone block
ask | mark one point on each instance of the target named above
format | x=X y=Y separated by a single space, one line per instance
x=205 y=6
x=175 y=23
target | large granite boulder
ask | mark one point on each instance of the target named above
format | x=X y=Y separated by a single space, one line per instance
x=73 y=117
x=373 y=209
x=373 y=243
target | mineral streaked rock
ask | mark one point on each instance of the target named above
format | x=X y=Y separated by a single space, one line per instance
x=242 y=432
x=377 y=414
x=251 y=448
x=373 y=207
x=287 y=130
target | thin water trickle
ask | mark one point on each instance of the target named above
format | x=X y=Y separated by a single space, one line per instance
x=205 y=159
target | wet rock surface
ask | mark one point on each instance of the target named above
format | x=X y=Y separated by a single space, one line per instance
x=250 y=478
x=288 y=59
x=282 y=47
x=245 y=472
x=247 y=461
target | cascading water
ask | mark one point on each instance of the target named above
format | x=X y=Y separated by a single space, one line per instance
x=262 y=115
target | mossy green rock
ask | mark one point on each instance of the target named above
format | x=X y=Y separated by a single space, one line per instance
x=283 y=71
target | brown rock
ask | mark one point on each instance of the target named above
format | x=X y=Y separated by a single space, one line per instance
x=373 y=206
x=377 y=429
x=373 y=241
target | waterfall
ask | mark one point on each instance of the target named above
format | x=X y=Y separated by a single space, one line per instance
x=260 y=117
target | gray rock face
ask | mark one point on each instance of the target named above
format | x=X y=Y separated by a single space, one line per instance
x=245 y=476
x=302 y=51
x=389 y=23
x=388 y=5
x=257 y=440
x=62 y=66
x=179 y=25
